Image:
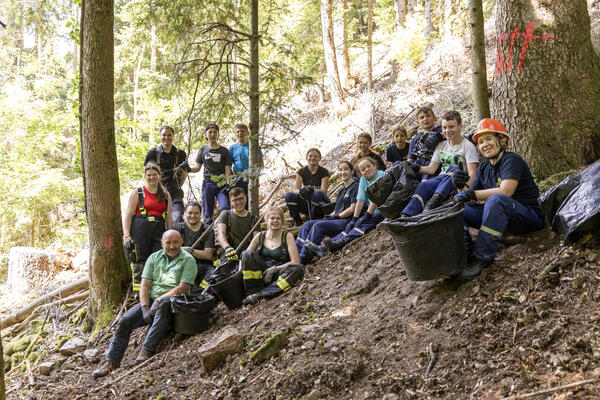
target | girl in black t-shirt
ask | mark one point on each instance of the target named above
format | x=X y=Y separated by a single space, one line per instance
x=363 y=143
x=311 y=187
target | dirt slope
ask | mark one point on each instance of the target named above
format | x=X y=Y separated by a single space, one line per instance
x=358 y=329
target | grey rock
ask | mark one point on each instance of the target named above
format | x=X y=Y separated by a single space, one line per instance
x=46 y=367
x=309 y=344
x=308 y=328
x=91 y=354
x=390 y=396
x=213 y=353
x=72 y=346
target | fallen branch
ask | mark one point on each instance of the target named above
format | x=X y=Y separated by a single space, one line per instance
x=551 y=390
x=554 y=265
x=121 y=311
x=433 y=355
x=24 y=312
x=268 y=198
x=68 y=300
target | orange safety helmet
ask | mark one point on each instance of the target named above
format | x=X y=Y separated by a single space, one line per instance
x=488 y=125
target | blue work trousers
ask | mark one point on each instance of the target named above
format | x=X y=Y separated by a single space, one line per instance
x=360 y=228
x=441 y=184
x=133 y=319
x=314 y=231
x=497 y=215
x=210 y=190
x=177 y=208
x=297 y=204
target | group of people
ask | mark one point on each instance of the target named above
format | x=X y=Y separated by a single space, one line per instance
x=499 y=195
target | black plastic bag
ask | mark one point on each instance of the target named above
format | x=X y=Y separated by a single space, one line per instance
x=191 y=303
x=393 y=190
x=223 y=271
x=431 y=244
x=574 y=204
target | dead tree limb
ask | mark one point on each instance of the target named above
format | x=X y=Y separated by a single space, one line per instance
x=433 y=356
x=268 y=198
x=64 y=291
x=551 y=390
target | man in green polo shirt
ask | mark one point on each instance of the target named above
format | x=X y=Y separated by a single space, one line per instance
x=167 y=272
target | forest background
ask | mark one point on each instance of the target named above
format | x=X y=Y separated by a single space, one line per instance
x=159 y=48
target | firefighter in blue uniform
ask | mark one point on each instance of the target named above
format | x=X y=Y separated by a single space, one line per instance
x=313 y=232
x=505 y=183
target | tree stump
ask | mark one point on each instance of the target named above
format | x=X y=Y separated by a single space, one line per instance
x=28 y=267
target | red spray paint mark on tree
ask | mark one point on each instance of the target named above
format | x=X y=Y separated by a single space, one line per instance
x=528 y=37
x=108 y=246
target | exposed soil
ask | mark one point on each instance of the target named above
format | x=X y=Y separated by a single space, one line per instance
x=357 y=328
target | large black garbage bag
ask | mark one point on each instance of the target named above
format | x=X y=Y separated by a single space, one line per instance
x=431 y=244
x=227 y=284
x=392 y=191
x=192 y=312
x=574 y=204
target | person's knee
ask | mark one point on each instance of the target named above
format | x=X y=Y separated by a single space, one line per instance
x=291 y=197
x=249 y=258
x=497 y=201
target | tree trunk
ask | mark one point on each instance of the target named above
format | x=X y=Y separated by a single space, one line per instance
x=428 y=23
x=447 y=18
x=370 y=46
x=478 y=65
x=2 y=384
x=333 y=77
x=254 y=109
x=108 y=270
x=136 y=80
x=346 y=62
x=547 y=83
x=399 y=13
x=339 y=37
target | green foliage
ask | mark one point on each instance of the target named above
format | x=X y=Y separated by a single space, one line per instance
x=409 y=42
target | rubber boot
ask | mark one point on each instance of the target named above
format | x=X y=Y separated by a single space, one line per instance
x=143 y=356
x=106 y=368
x=473 y=269
x=253 y=298
x=435 y=201
x=334 y=246
x=318 y=251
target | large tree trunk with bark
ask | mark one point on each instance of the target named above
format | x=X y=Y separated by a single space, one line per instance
x=333 y=76
x=340 y=36
x=109 y=272
x=478 y=65
x=254 y=109
x=547 y=83
x=399 y=13
x=428 y=23
x=2 y=384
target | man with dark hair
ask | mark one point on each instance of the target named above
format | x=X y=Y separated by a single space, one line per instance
x=452 y=155
x=168 y=272
x=191 y=229
x=174 y=169
x=233 y=225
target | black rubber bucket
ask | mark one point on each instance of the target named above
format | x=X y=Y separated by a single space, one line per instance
x=230 y=290
x=431 y=244
x=191 y=313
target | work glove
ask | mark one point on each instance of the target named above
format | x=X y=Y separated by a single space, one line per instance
x=230 y=254
x=460 y=179
x=184 y=166
x=415 y=167
x=147 y=314
x=365 y=218
x=268 y=274
x=189 y=250
x=127 y=242
x=307 y=192
x=465 y=196
x=351 y=224
x=332 y=216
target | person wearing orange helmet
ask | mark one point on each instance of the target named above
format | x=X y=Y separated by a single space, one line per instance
x=509 y=193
